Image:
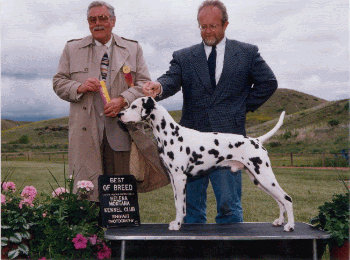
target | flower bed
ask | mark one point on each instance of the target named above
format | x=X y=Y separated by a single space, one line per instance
x=61 y=226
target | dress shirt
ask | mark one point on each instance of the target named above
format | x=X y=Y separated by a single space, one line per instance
x=220 y=53
x=108 y=44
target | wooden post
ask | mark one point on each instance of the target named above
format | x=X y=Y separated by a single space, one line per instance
x=323 y=159
x=291 y=159
x=49 y=157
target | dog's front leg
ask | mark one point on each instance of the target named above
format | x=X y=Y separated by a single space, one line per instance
x=178 y=182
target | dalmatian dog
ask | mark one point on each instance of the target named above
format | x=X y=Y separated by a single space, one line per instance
x=187 y=152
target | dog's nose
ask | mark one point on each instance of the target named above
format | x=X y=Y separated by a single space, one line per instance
x=119 y=115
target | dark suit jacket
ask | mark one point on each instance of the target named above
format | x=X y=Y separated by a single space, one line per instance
x=245 y=84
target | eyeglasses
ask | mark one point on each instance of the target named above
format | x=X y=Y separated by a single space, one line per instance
x=102 y=18
x=211 y=27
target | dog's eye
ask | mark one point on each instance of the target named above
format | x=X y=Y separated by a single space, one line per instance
x=133 y=106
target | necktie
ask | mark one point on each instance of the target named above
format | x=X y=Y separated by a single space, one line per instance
x=212 y=66
x=104 y=66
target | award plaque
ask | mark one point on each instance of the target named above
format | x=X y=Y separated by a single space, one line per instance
x=118 y=200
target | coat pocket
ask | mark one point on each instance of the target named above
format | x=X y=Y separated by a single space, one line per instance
x=79 y=73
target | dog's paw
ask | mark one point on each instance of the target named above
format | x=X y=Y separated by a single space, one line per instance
x=175 y=225
x=289 y=227
x=278 y=222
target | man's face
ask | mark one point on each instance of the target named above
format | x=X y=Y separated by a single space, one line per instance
x=212 y=29
x=101 y=29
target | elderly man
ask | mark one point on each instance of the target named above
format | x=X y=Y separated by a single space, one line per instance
x=97 y=144
x=221 y=81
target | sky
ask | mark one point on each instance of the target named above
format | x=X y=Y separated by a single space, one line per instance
x=305 y=42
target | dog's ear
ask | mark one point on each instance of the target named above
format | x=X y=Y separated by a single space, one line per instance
x=148 y=104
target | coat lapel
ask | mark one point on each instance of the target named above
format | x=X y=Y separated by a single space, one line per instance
x=200 y=63
x=120 y=54
x=231 y=60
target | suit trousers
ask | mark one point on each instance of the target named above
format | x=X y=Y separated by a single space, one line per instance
x=227 y=188
x=114 y=162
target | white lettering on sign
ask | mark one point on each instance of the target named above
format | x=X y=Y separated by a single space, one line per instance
x=122 y=187
x=118 y=198
x=112 y=210
x=106 y=187
x=119 y=203
x=114 y=221
x=116 y=180
x=129 y=209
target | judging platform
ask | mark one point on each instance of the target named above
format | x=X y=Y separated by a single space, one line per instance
x=224 y=241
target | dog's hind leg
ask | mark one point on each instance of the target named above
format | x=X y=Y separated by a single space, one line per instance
x=279 y=221
x=178 y=181
x=269 y=183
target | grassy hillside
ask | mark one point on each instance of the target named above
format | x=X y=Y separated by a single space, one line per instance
x=288 y=100
x=324 y=128
x=41 y=135
x=8 y=124
x=311 y=125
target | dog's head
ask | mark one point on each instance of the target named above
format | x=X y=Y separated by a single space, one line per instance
x=139 y=110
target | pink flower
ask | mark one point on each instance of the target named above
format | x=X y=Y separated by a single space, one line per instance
x=3 y=199
x=9 y=186
x=105 y=252
x=59 y=191
x=29 y=192
x=79 y=241
x=93 y=240
x=85 y=185
x=44 y=214
x=43 y=258
x=26 y=201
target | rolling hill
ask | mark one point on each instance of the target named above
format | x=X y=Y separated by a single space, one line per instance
x=311 y=125
x=8 y=124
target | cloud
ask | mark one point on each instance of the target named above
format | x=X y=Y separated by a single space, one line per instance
x=304 y=42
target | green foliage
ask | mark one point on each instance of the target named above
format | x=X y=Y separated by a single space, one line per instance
x=16 y=223
x=273 y=144
x=334 y=217
x=287 y=135
x=52 y=227
x=24 y=139
x=333 y=122
x=331 y=162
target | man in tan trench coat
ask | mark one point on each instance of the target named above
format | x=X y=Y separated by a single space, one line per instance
x=97 y=144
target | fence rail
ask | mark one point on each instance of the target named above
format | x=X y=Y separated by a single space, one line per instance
x=277 y=159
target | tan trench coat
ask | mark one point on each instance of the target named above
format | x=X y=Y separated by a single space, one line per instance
x=79 y=62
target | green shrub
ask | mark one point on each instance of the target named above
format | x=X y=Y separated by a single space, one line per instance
x=331 y=162
x=287 y=135
x=333 y=122
x=24 y=139
x=274 y=144
x=334 y=217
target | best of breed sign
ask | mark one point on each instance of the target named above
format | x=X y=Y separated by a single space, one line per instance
x=118 y=200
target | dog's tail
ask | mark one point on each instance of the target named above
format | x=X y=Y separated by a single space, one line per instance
x=266 y=136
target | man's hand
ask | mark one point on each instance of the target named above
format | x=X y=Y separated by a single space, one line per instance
x=151 y=88
x=114 y=106
x=91 y=84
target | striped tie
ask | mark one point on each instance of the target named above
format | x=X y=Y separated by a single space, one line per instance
x=104 y=66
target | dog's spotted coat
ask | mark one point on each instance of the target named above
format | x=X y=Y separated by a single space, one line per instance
x=187 y=152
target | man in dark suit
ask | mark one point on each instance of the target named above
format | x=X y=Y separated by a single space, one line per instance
x=221 y=81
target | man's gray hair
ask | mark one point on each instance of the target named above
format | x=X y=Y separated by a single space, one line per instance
x=101 y=3
x=214 y=3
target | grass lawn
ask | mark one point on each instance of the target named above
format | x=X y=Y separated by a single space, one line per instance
x=308 y=189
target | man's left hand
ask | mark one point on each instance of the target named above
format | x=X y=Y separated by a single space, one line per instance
x=112 y=108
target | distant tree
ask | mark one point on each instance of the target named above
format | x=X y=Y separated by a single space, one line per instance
x=24 y=139
x=333 y=122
